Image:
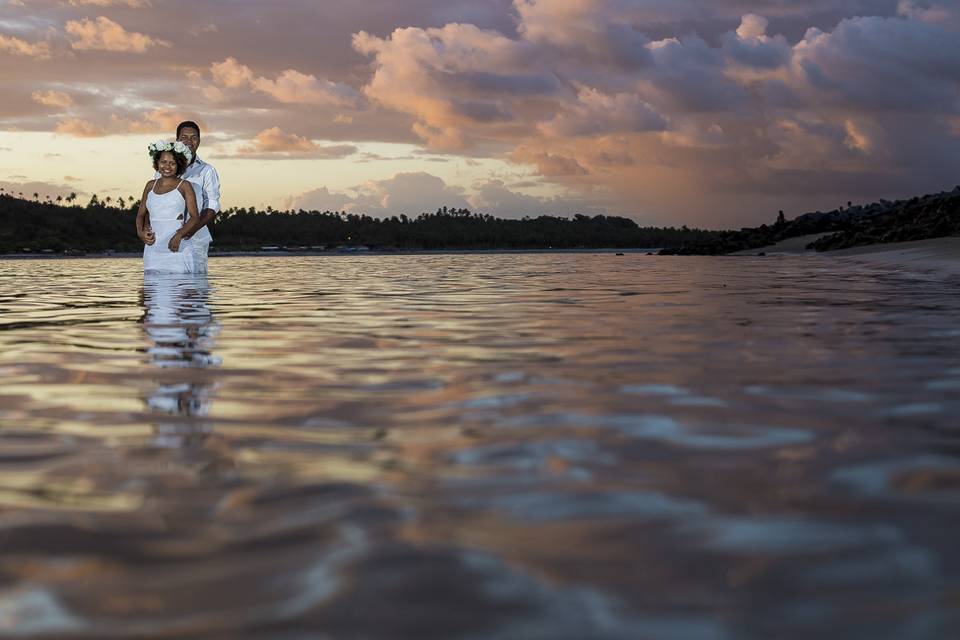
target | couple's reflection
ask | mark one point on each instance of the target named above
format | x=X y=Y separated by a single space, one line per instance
x=181 y=332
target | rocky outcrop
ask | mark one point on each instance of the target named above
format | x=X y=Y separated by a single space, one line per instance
x=932 y=216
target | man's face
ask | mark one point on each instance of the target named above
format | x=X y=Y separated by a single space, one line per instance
x=190 y=137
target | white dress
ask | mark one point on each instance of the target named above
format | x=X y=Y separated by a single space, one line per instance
x=167 y=214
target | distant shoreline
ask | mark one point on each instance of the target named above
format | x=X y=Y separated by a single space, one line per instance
x=371 y=252
x=934 y=254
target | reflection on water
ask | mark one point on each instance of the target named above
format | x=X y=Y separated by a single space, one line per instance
x=178 y=322
x=479 y=446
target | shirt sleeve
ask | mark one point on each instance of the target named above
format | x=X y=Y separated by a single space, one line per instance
x=211 y=190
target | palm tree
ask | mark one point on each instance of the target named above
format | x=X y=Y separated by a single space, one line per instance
x=59 y=199
x=72 y=196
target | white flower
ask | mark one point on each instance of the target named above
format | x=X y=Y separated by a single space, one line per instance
x=179 y=147
x=155 y=148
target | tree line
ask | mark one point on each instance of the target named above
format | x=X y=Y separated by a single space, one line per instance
x=62 y=225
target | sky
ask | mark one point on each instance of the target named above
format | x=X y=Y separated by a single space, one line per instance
x=709 y=113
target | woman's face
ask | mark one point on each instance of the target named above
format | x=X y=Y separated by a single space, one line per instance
x=167 y=165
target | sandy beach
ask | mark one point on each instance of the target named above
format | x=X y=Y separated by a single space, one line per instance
x=941 y=254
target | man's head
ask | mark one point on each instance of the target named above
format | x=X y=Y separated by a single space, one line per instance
x=188 y=132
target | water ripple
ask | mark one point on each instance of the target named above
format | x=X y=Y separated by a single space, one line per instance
x=486 y=446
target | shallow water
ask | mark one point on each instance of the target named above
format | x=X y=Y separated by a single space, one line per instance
x=566 y=446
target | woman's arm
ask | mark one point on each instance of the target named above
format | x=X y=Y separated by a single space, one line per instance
x=193 y=218
x=144 y=232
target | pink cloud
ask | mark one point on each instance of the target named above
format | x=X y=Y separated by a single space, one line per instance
x=20 y=47
x=290 y=86
x=133 y=4
x=79 y=128
x=548 y=164
x=274 y=139
x=162 y=121
x=410 y=193
x=103 y=34
x=274 y=142
x=57 y=99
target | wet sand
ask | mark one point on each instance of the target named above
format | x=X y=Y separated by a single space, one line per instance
x=941 y=254
x=934 y=254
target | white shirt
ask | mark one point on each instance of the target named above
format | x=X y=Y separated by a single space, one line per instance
x=206 y=186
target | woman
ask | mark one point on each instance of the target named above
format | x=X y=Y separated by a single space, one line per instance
x=160 y=222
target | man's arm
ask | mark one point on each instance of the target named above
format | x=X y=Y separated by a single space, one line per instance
x=211 y=199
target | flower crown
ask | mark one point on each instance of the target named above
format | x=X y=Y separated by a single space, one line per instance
x=158 y=147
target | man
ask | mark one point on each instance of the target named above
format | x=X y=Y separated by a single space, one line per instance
x=206 y=186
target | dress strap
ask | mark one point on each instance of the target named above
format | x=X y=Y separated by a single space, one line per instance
x=153 y=188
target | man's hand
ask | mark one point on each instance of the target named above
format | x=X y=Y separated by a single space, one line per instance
x=147 y=236
x=174 y=244
x=205 y=217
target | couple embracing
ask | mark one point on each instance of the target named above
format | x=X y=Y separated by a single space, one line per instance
x=177 y=205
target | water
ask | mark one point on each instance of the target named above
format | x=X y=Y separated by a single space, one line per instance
x=565 y=446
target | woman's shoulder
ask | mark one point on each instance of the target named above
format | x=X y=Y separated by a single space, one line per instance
x=185 y=186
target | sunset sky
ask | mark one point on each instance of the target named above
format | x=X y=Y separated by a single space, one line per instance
x=712 y=113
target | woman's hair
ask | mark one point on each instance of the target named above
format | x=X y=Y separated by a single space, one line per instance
x=180 y=159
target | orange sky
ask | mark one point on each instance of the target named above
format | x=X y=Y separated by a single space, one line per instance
x=671 y=112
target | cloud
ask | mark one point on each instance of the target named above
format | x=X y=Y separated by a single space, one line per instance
x=600 y=32
x=548 y=164
x=461 y=83
x=493 y=197
x=750 y=46
x=44 y=189
x=133 y=4
x=162 y=121
x=945 y=16
x=321 y=199
x=19 y=47
x=274 y=139
x=290 y=86
x=56 y=99
x=752 y=27
x=417 y=192
x=594 y=113
x=856 y=64
x=409 y=193
x=103 y=34
x=274 y=142
x=79 y=128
